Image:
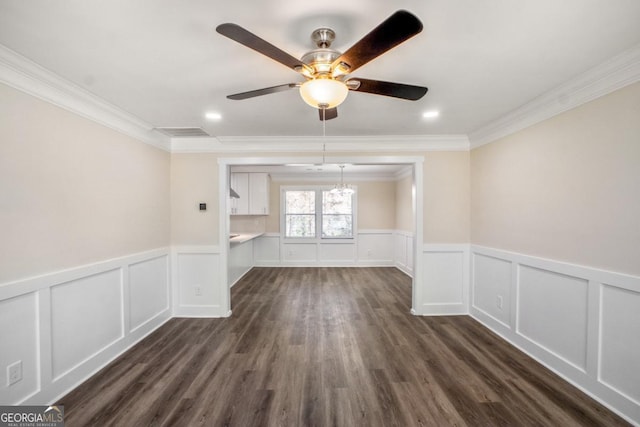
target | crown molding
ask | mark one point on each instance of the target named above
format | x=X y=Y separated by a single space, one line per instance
x=371 y=143
x=613 y=74
x=331 y=178
x=27 y=76
x=334 y=177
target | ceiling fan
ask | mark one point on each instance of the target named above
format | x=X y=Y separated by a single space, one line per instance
x=327 y=71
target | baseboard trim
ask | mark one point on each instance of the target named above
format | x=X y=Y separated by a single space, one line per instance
x=202 y=311
x=443 y=309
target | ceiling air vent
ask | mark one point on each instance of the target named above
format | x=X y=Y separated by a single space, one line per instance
x=183 y=132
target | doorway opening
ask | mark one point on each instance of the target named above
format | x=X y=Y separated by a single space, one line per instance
x=387 y=215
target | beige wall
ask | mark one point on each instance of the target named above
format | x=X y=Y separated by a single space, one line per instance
x=194 y=180
x=376 y=200
x=248 y=223
x=404 y=204
x=446 y=197
x=272 y=222
x=567 y=188
x=72 y=191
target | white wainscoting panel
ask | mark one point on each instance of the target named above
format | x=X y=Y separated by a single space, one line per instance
x=300 y=253
x=370 y=248
x=337 y=253
x=19 y=342
x=400 y=250
x=403 y=251
x=620 y=347
x=409 y=250
x=492 y=287
x=580 y=322
x=67 y=325
x=266 y=250
x=444 y=280
x=148 y=290
x=198 y=287
x=551 y=301
x=86 y=317
x=375 y=248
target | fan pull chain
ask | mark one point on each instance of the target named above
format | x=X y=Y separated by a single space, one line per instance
x=324 y=123
x=324 y=133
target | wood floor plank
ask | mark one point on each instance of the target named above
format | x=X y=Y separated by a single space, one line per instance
x=327 y=347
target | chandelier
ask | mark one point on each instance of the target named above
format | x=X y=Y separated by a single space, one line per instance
x=341 y=187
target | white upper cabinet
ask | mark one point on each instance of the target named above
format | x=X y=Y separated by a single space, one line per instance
x=259 y=193
x=253 y=189
x=240 y=184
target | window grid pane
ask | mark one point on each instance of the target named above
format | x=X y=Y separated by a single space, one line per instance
x=300 y=202
x=337 y=226
x=336 y=203
x=300 y=225
x=337 y=215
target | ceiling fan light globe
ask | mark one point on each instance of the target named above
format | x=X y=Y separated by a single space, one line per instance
x=323 y=93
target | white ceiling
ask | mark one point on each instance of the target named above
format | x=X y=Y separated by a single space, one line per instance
x=162 y=60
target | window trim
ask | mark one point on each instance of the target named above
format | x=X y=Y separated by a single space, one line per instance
x=318 y=238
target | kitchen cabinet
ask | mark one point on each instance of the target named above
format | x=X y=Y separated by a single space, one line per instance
x=240 y=261
x=253 y=189
x=241 y=258
x=259 y=193
x=240 y=184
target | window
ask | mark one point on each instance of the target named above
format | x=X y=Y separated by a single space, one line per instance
x=309 y=213
x=337 y=215
x=300 y=213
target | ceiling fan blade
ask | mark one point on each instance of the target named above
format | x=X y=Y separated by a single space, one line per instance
x=399 y=27
x=250 y=40
x=396 y=90
x=260 y=92
x=328 y=113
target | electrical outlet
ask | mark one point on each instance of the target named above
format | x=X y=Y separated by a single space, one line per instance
x=198 y=290
x=499 y=302
x=14 y=372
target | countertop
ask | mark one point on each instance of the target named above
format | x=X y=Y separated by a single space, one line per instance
x=242 y=238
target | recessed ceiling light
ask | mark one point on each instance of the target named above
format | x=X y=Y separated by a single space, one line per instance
x=213 y=116
x=430 y=114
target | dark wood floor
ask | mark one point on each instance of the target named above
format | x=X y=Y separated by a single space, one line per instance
x=327 y=346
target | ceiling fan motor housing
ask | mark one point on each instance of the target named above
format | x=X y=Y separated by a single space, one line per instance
x=323 y=37
x=320 y=59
